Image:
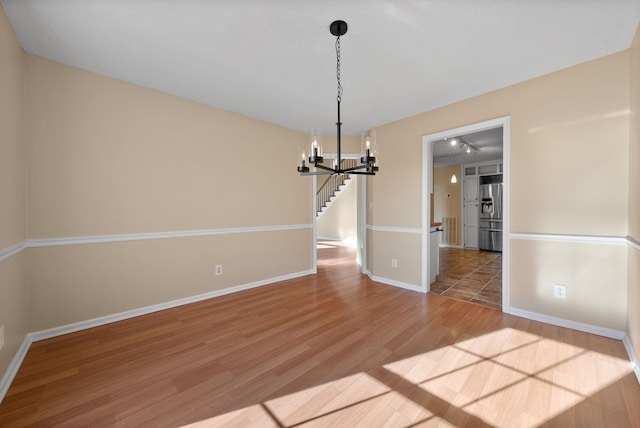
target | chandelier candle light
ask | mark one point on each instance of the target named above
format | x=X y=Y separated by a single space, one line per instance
x=368 y=165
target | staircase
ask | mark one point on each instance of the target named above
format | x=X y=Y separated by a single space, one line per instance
x=332 y=186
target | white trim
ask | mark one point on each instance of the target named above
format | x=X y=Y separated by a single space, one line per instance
x=342 y=155
x=361 y=213
x=427 y=185
x=578 y=239
x=506 y=214
x=314 y=226
x=395 y=283
x=12 y=370
x=561 y=322
x=633 y=357
x=425 y=229
x=98 y=239
x=324 y=238
x=394 y=229
x=9 y=251
x=95 y=322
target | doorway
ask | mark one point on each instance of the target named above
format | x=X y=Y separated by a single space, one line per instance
x=341 y=230
x=472 y=264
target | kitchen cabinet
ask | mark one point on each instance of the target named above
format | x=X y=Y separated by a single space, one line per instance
x=471 y=225
x=470 y=211
x=471 y=237
x=470 y=189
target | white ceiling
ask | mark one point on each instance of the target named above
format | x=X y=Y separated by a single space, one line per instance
x=275 y=60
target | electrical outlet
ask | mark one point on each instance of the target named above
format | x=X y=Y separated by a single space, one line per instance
x=218 y=270
x=1 y=336
x=394 y=263
x=560 y=291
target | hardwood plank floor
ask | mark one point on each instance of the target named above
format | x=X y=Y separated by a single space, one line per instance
x=330 y=350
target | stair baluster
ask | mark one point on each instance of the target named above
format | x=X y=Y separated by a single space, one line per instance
x=331 y=186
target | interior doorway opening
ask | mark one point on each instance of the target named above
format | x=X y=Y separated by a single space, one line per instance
x=340 y=230
x=468 y=273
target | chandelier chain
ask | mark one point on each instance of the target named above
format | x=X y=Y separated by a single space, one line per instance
x=339 y=97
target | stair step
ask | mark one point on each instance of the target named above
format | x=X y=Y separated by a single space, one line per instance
x=341 y=185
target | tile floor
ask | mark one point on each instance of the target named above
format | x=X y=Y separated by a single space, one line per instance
x=470 y=275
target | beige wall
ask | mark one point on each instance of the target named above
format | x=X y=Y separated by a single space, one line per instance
x=385 y=246
x=634 y=141
x=340 y=220
x=78 y=282
x=106 y=157
x=446 y=196
x=12 y=183
x=569 y=169
x=633 y=291
x=595 y=276
x=13 y=284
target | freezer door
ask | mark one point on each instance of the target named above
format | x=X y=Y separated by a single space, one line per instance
x=490 y=240
x=491 y=201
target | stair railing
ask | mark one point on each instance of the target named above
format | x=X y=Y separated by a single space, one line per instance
x=332 y=184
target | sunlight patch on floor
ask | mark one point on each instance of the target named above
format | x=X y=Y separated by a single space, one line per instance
x=326 y=399
x=510 y=377
x=504 y=378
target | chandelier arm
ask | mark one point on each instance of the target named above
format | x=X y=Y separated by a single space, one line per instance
x=326 y=168
x=363 y=172
x=315 y=173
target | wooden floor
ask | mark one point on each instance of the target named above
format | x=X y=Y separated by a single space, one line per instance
x=330 y=350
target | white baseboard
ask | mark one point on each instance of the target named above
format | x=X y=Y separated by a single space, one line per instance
x=635 y=362
x=12 y=370
x=8 y=376
x=395 y=283
x=9 y=251
x=95 y=322
x=574 y=325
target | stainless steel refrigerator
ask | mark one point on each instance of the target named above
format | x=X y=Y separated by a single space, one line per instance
x=490 y=221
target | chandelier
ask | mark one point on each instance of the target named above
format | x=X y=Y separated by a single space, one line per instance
x=368 y=165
